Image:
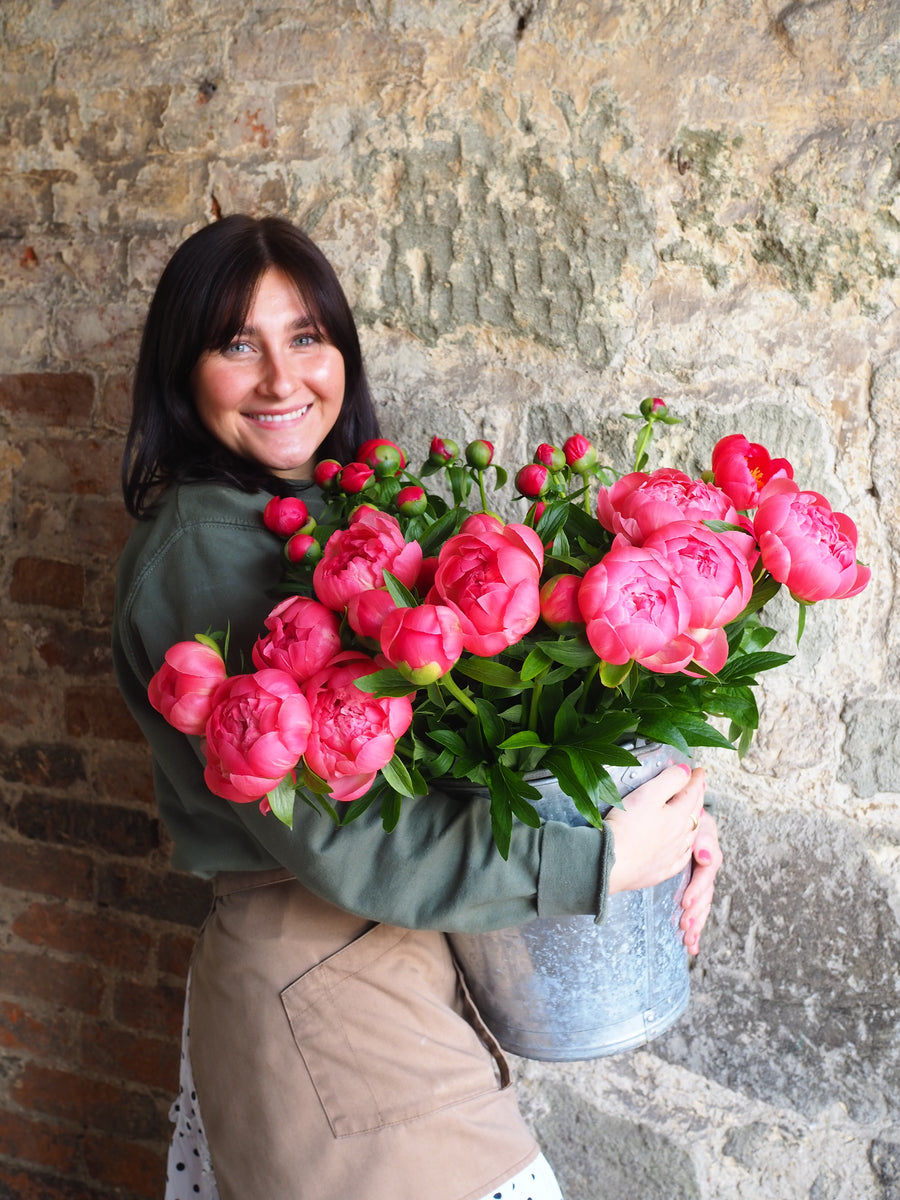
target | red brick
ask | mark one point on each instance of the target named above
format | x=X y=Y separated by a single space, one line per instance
x=73 y=466
x=122 y=771
x=46 y=581
x=38 y=1142
x=182 y=899
x=63 y=399
x=132 y=1057
x=174 y=954
x=120 y=1164
x=20 y=1030
x=102 y=938
x=71 y=985
x=77 y=650
x=132 y=833
x=156 y=1009
x=51 y=872
x=95 y=1103
x=99 y=712
x=44 y=764
x=18 y=1183
x=99 y=526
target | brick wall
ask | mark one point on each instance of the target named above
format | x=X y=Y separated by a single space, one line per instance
x=96 y=930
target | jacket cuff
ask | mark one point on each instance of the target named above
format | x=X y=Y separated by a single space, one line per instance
x=574 y=872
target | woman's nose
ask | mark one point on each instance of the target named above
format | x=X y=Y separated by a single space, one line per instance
x=276 y=377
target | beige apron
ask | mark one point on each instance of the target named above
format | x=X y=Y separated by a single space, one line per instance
x=337 y=1058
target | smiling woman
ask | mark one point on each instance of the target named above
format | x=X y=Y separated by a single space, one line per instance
x=275 y=392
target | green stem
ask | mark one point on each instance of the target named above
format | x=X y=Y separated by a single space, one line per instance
x=481 y=489
x=450 y=683
x=533 y=707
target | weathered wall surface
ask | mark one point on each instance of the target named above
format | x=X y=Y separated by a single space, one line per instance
x=542 y=211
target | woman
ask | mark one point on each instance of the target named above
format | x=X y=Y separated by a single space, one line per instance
x=334 y=1048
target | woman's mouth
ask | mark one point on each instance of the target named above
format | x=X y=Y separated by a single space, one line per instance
x=295 y=414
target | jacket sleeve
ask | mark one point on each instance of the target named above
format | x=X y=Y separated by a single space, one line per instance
x=438 y=869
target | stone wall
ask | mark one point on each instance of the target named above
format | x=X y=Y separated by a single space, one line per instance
x=542 y=212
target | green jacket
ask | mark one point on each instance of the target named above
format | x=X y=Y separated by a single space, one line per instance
x=204 y=561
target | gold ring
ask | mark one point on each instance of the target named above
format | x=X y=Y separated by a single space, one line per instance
x=694 y=822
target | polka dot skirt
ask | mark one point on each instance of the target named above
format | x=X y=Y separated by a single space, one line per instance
x=536 y=1182
x=189 y=1173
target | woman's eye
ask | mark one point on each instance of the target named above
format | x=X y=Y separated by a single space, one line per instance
x=237 y=347
x=305 y=339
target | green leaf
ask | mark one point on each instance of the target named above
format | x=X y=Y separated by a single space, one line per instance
x=390 y=810
x=521 y=741
x=385 y=683
x=357 y=807
x=746 y=666
x=281 y=799
x=442 y=529
x=397 y=776
x=399 y=593
x=450 y=739
x=501 y=477
x=570 y=652
x=492 y=727
x=489 y=671
x=535 y=664
x=613 y=675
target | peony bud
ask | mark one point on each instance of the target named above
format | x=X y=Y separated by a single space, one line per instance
x=533 y=481
x=325 y=474
x=411 y=501
x=443 y=450
x=535 y=513
x=550 y=456
x=285 y=515
x=653 y=407
x=580 y=454
x=422 y=643
x=302 y=548
x=354 y=477
x=479 y=454
x=559 y=604
x=384 y=457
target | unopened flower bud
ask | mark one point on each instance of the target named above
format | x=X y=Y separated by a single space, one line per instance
x=411 y=501
x=580 y=454
x=354 y=477
x=285 y=515
x=325 y=474
x=533 y=481
x=302 y=547
x=479 y=454
x=653 y=406
x=550 y=456
x=443 y=450
x=384 y=457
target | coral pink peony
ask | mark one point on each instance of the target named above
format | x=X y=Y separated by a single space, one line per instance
x=806 y=545
x=742 y=469
x=182 y=689
x=637 y=504
x=383 y=456
x=353 y=734
x=303 y=636
x=255 y=735
x=489 y=574
x=635 y=608
x=356 y=558
x=423 y=643
x=366 y=612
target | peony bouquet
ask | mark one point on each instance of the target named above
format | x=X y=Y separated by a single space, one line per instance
x=421 y=639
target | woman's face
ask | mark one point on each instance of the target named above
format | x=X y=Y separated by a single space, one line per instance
x=275 y=393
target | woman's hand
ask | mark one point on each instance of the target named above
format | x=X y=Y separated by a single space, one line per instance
x=698 y=894
x=663 y=828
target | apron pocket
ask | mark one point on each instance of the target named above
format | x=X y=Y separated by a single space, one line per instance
x=388 y=1032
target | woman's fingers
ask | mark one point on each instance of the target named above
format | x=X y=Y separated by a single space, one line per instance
x=655 y=833
x=698 y=894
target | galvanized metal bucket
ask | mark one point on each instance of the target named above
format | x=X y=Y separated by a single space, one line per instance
x=561 y=989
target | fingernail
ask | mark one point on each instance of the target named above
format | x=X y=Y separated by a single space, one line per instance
x=684 y=767
x=703 y=856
